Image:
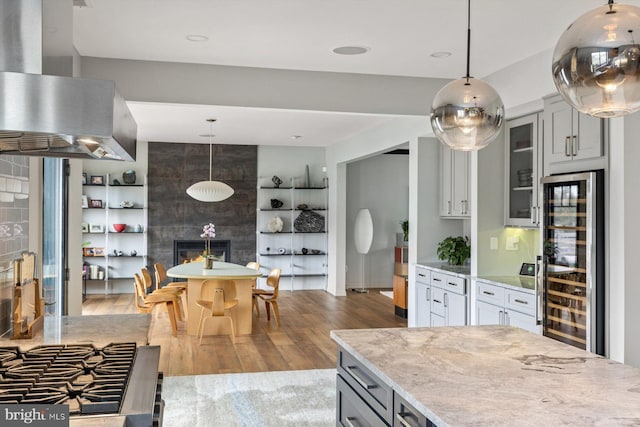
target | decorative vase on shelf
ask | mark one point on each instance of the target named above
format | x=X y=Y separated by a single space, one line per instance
x=307 y=179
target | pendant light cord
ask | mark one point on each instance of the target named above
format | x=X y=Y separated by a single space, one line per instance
x=468 y=38
x=210 y=146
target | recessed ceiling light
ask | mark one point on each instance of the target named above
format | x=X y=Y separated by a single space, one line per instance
x=441 y=54
x=296 y=136
x=351 y=50
x=197 y=38
x=208 y=135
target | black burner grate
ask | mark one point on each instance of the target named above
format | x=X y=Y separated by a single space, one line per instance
x=90 y=380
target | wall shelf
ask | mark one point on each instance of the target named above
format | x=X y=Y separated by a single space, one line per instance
x=116 y=269
x=295 y=265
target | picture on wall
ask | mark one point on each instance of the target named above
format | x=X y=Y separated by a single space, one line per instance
x=85 y=201
x=96 y=228
x=95 y=203
x=97 y=180
x=84 y=178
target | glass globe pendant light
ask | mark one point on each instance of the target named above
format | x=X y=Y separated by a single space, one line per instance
x=210 y=191
x=596 y=61
x=467 y=113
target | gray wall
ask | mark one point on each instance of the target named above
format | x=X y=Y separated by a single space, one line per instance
x=380 y=184
x=173 y=215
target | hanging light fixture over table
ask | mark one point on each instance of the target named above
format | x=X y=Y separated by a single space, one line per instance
x=596 y=61
x=467 y=113
x=210 y=191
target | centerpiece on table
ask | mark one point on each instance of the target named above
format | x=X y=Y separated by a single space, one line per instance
x=208 y=233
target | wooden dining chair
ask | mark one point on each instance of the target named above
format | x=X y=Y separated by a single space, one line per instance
x=271 y=298
x=216 y=298
x=161 y=277
x=145 y=303
x=254 y=300
x=148 y=284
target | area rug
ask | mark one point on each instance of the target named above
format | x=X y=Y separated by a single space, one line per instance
x=388 y=294
x=284 y=398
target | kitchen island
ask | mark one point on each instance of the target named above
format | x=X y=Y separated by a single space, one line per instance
x=482 y=375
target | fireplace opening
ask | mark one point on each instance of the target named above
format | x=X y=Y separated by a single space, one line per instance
x=189 y=250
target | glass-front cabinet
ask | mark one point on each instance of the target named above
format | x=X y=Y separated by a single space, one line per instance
x=523 y=169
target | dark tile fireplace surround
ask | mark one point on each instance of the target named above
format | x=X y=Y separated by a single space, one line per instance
x=187 y=250
x=174 y=216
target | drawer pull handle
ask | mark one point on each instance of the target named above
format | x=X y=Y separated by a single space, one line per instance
x=350 y=421
x=520 y=301
x=359 y=379
x=400 y=417
x=437 y=301
x=436 y=280
x=422 y=275
x=452 y=284
x=488 y=293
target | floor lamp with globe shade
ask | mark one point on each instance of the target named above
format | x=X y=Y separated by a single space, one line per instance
x=363 y=238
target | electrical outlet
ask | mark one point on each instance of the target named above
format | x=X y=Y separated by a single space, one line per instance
x=493 y=243
x=512 y=243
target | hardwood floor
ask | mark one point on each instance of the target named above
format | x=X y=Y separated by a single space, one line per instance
x=301 y=342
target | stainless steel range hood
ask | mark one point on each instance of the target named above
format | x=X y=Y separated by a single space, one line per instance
x=51 y=115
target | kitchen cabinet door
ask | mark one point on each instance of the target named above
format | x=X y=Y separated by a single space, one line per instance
x=437 y=320
x=588 y=145
x=523 y=321
x=460 y=183
x=523 y=169
x=456 y=309
x=570 y=135
x=454 y=183
x=488 y=314
x=423 y=305
x=446 y=204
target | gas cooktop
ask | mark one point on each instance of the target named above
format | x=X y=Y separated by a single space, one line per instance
x=90 y=380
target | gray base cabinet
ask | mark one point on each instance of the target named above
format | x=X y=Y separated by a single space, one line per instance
x=405 y=415
x=353 y=411
x=363 y=399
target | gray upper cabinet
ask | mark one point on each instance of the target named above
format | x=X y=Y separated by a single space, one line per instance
x=523 y=170
x=455 y=189
x=569 y=135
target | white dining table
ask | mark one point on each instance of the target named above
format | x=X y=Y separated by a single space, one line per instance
x=244 y=279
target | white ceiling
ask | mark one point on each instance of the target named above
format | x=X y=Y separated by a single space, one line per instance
x=300 y=35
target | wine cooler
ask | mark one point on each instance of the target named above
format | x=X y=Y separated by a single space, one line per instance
x=573 y=260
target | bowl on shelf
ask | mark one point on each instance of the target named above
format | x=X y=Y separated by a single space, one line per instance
x=119 y=228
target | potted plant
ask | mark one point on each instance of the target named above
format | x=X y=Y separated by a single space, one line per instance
x=455 y=250
x=405 y=229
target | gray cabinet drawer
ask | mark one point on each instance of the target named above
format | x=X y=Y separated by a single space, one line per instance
x=371 y=389
x=437 y=301
x=490 y=293
x=423 y=275
x=405 y=415
x=520 y=301
x=351 y=410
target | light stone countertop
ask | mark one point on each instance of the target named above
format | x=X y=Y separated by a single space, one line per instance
x=98 y=330
x=497 y=376
x=462 y=271
x=523 y=283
